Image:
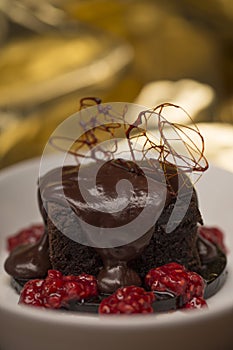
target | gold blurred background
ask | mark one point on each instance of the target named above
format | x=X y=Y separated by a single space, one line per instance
x=54 y=52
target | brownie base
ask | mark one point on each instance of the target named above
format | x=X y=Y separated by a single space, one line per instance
x=178 y=246
x=66 y=255
x=72 y=258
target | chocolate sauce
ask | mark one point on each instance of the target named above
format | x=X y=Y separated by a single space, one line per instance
x=29 y=261
x=115 y=272
x=60 y=186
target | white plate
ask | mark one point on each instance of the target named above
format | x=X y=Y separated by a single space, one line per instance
x=32 y=328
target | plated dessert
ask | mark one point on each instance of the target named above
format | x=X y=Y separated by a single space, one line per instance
x=159 y=270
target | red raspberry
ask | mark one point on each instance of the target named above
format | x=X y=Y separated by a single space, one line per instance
x=52 y=291
x=171 y=277
x=54 y=274
x=195 y=303
x=128 y=300
x=84 y=286
x=57 y=290
x=213 y=235
x=28 y=235
x=176 y=279
x=72 y=290
x=53 y=301
x=195 y=287
x=31 y=293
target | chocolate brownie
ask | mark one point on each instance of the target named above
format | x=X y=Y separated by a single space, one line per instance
x=70 y=257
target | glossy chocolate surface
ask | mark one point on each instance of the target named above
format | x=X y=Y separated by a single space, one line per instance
x=60 y=186
x=29 y=261
x=115 y=272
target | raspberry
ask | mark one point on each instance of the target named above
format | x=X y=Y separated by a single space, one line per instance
x=85 y=286
x=30 y=234
x=171 y=277
x=52 y=291
x=72 y=289
x=128 y=300
x=195 y=303
x=31 y=293
x=176 y=279
x=195 y=287
x=57 y=290
x=213 y=235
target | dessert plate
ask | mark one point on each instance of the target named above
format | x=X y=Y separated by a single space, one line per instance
x=32 y=328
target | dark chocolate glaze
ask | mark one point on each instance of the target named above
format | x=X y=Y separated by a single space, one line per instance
x=67 y=192
x=115 y=272
x=29 y=261
x=33 y=261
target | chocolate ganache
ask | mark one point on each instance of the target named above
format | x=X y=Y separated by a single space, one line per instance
x=29 y=261
x=61 y=186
